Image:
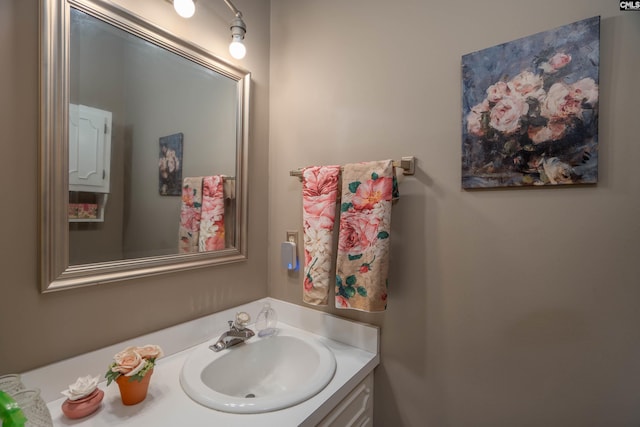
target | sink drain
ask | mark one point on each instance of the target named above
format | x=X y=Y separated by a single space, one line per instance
x=250 y=395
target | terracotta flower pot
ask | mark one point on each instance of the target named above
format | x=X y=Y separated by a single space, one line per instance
x=133 y=391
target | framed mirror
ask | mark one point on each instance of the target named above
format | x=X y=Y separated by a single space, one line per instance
x=143 y=152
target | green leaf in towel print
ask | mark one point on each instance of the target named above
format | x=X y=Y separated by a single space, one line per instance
x=383 y=235
x=340 y=290
x=354 y=257
x=345 y=206
x=349 y=291
x=197 y=205
x=362 y=291
x=351 y=280
x=354 y=186
x=374 y=176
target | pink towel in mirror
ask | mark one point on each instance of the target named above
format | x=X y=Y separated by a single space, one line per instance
x=190 y=211
x=211 y=236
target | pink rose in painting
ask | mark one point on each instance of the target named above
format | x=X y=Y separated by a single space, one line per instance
x=505 y=115
x=342 y=302
x=559 y=60
x=474 y=118
x=552 y=132
x=320 y=211
x=497 y=91
x=357 y=232
x=320 y=180
x=371 y=192
x=559 y=103
x=527 y=85
x=172 y=160
x=585 y=90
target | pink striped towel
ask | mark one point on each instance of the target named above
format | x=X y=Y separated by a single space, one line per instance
x=319 y=194
x=211 y=236
x=362 y=262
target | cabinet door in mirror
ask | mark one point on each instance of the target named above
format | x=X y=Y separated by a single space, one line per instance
x=134 y=121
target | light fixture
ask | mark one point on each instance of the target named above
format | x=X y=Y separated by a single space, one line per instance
x=237 y=49
x=238 y=28
x=185 y=8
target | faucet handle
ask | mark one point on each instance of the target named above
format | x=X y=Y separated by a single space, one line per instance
x=242 y=320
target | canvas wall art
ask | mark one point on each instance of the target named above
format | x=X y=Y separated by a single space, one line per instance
x=530 y=110
x=170 y=165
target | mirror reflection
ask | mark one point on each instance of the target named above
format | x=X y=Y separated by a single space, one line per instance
x=130 y=115
x=144 y=125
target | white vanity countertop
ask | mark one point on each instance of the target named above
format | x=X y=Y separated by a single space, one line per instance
x=168 y=405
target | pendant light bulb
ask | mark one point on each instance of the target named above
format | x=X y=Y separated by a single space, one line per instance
x=184 y=8
x=237 y=48
x=238 y=29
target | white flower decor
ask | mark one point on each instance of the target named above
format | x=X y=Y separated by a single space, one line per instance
x=83 y=386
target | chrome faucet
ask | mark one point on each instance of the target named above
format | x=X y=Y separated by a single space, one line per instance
x=237 y=333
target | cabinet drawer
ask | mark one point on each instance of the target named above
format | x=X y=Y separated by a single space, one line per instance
x=355 y=410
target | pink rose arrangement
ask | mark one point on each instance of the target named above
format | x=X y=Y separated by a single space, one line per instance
x=509 y=105
x=531 y=119
x=133 y=362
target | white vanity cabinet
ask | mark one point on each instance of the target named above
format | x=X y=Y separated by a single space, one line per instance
x=346 y=401
x=355 y=410
x=90 y=154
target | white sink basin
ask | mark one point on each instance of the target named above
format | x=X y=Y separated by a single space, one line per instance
x=261 y=375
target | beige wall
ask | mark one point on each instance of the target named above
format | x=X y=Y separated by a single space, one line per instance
x=38 y=329
x=506 y=308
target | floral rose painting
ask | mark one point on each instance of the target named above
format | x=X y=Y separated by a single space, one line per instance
x=170 y=165
x=530 y=110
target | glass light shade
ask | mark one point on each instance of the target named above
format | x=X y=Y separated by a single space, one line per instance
x=237 y=49
x=184 y=8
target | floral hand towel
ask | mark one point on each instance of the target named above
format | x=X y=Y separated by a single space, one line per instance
x=319 y=194
x=212 y=218
x=363 y=240
x=190 y=211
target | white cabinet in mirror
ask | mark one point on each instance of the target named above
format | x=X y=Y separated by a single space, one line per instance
x=89 y=162
x=129 y=114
